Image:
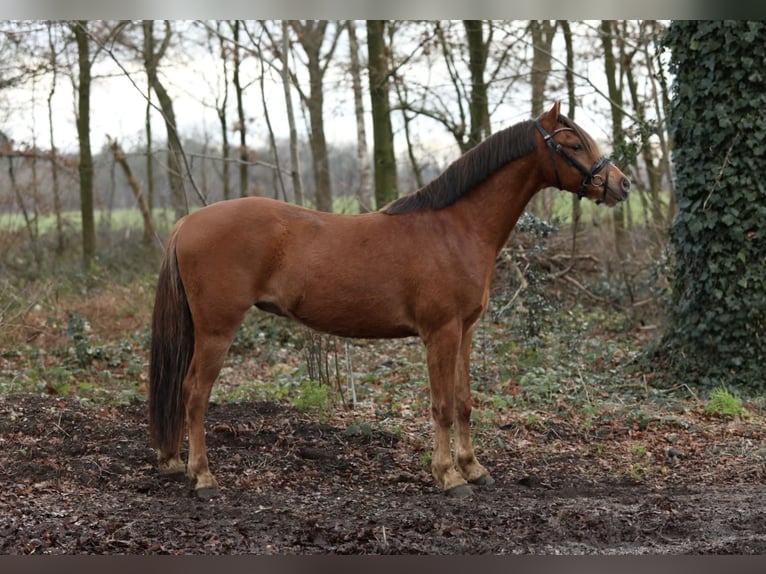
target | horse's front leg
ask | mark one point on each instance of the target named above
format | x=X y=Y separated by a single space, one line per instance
x=442 y=351
x=467 y=464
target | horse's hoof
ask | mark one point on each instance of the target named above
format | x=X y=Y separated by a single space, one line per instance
x=206 y=493
x=460 y=491
x=483 y=480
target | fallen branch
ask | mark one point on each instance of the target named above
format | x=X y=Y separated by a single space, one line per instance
x=135 y=185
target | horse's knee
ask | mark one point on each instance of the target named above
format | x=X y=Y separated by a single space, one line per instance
x=463 y=411
x=443 y=413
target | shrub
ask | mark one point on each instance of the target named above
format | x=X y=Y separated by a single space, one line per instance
x=723 y=403
x=313 y=395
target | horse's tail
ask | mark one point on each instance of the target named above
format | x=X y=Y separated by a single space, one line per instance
x=172 y=347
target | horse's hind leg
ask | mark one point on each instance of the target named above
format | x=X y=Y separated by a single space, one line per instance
x=209 y=354
x=170 y=464
x=467 y=464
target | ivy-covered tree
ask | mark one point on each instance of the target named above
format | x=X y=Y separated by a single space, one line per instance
x=717 y=322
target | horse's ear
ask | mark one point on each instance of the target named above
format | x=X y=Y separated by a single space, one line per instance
x=554 y=113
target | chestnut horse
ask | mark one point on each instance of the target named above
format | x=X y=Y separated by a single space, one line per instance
x=421 y=266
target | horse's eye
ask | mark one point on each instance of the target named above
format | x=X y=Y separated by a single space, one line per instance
x=577 y=147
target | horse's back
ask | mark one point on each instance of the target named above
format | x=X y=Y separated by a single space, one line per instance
x=370 y=275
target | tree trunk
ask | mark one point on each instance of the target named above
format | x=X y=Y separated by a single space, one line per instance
x=569 y=72
x=135 y=186
x=571 y=107
x=655 y=221
x=478 y=50
x=85 y=167
x=29 y=222
x=223 y=120
x=542 y=32
x=542 y=39
x=244 y=171
x=661 y=107
x=295 y=159
x=279 y=181
x=311 y=35
x=317 y=137
x=54 y=154
x=714 y=334
x=149 y=148
x=364 y=192
x=383 y=136
x=175 y=161
x=615 y=95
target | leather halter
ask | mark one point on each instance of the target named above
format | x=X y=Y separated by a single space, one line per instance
x=591 y=176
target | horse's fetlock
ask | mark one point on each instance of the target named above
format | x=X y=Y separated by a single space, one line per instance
x=170 y=465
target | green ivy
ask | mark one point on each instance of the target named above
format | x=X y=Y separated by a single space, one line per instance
x=717 y=122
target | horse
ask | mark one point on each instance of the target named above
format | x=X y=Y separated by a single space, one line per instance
x=420 y=266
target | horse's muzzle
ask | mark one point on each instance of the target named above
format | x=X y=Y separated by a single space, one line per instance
x=618 y=193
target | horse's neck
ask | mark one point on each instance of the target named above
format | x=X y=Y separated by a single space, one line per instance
x=496 y=204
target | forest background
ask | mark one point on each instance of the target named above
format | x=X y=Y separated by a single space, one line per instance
x=114 y=129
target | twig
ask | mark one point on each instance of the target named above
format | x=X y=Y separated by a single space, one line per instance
x=58 y=426
x=522 y=286
x=351 y=385
x=584 y=387
x=584 y=256
x=584 y=289
x=720 y=172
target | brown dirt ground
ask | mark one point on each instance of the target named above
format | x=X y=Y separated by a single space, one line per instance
x=81 y=479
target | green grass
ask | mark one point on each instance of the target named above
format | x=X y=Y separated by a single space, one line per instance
x=127 y=218
x=562 y=208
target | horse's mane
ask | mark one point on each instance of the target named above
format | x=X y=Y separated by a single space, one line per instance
x=469 y=170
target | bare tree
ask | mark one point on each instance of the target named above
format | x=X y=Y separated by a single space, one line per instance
x=310 y=36
x=478 y=52
x=364 y=192
x=468 y=49
x=80 y=30
x=239 y=88
x=135 y=186
x=149 y=143
x=382 y=132
x=542 y=32
x=55 y=184
x=571 y=108
x=294 y=148
x=221 y=105
x=152 y=56
x=615 y=97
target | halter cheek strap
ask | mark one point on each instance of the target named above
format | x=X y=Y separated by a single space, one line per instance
x=590 y=176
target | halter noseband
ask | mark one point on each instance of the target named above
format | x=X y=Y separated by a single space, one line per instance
x=591 y=176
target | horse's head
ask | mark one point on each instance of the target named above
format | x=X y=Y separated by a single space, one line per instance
x=575 y=162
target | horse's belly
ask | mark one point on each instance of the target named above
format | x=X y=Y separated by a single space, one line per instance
x=352 y=317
